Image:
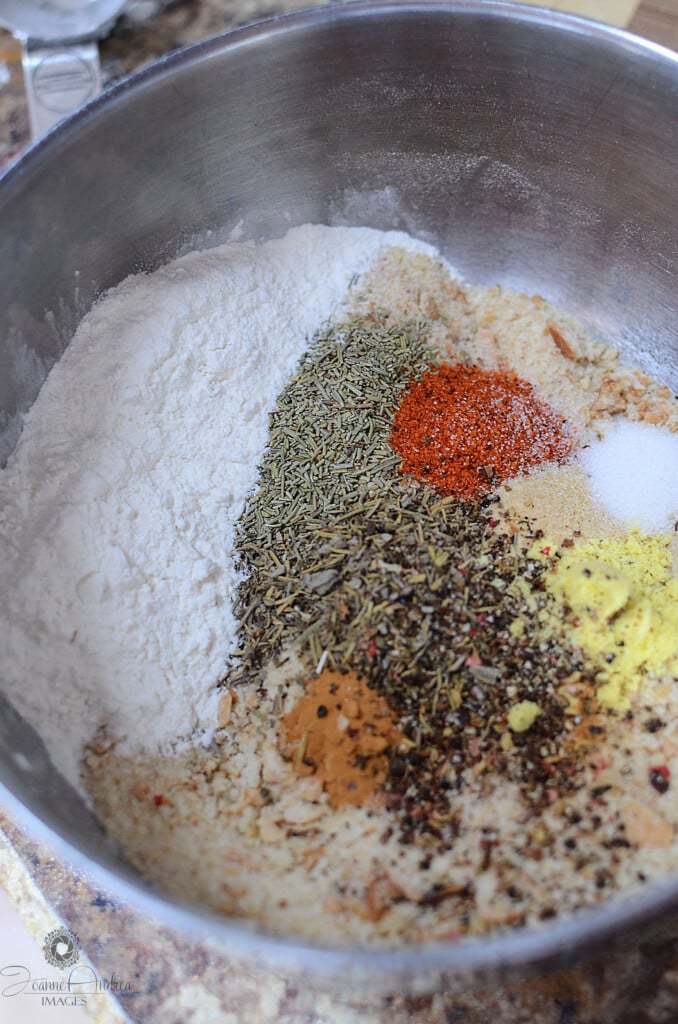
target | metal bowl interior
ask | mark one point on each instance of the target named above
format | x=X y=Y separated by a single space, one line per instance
x=534 y=149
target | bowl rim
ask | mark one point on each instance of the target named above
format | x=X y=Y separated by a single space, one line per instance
x=503 y=953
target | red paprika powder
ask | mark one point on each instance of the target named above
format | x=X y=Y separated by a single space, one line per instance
x=463 y=429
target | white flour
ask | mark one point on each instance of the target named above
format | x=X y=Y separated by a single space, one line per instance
x=117 y=509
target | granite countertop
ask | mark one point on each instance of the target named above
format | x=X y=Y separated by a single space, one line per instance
x=165 y=977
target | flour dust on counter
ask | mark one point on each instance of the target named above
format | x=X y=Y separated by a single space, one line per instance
x=320 y=576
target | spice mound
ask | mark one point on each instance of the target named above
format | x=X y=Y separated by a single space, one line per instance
x=463 y=430
x=340 y=732
x=621 y=606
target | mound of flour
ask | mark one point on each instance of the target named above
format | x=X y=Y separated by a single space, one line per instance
x=117 y=508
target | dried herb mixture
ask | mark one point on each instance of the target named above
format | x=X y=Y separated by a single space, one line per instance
x=367 y=572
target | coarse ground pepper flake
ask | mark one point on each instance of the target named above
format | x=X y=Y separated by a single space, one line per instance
x=340 y=732
x=463 y=429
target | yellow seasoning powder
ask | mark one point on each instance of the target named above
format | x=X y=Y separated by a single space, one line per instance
x=523 y=715
x=621 y=607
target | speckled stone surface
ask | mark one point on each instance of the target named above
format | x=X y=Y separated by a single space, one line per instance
x=173 y=980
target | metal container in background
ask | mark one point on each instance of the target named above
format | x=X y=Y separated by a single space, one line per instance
x=60 y=53
x=536 y=150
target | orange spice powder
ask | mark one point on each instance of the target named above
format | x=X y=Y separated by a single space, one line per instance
x=463 y=429
x=340 y=732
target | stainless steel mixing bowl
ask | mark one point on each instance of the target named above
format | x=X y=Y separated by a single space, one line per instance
x=535 y=149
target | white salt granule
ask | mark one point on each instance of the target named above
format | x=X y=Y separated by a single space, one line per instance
x=634 y=473
x=117 y=508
